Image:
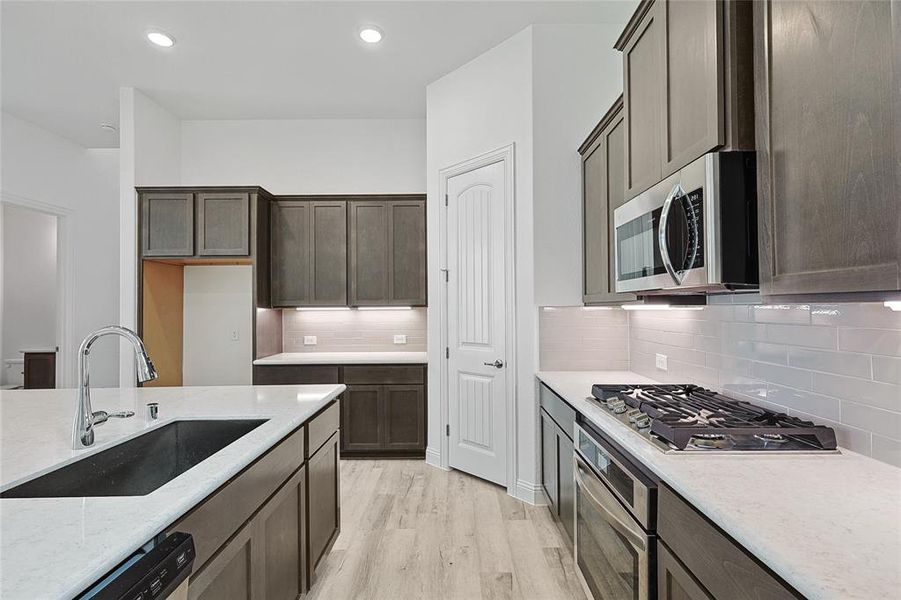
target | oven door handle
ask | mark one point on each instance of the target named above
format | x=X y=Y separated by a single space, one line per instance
x=661 y=234
x=618 y=524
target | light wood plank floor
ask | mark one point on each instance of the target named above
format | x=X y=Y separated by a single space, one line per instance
x=410 y=531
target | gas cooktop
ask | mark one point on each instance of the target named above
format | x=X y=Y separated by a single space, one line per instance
x=680 y=418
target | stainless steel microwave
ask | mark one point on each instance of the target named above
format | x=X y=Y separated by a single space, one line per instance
x=694 y=232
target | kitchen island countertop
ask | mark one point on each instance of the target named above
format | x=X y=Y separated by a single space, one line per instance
x=58 y=547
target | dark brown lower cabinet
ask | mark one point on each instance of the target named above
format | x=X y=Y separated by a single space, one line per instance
x=40 y=370
x=674 y=582
x=324 y=501
x=262 y=534
x=383 y=410
x=383 y=420
x=265 y=559
x=696 y=550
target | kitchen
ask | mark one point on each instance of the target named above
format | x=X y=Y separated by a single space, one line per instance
x=598 y=300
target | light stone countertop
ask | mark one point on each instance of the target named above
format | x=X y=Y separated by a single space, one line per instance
x=829 y=524
x=344 y=358
x=57 y=547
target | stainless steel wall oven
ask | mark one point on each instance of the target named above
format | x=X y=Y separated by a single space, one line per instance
x=615 y=520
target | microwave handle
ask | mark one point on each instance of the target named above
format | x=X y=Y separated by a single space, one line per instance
x=623 y=528
x=661 y=234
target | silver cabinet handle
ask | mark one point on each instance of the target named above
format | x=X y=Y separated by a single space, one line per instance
x=498 y=364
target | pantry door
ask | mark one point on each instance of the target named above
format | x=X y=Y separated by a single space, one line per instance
x=476 y=300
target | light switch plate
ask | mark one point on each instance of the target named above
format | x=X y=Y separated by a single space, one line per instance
x=234 y=335
x=400 y=339
x=660 y=361
x=309 y=340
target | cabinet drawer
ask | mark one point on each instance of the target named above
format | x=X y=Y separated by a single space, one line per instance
x=376 y=375
x=561 y=412
x=322 y=427
x=294 y=374
x=219 y=516
x=721 y=565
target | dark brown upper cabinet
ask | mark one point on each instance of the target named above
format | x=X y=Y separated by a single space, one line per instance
x=387 y=251
x=687 y=81
x=195 y=222
x=223 y=223
x=603 y=192
x=167 y=224
x=309 y=253
x=828 y=151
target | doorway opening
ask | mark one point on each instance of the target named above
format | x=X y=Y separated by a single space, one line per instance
x=33 y=306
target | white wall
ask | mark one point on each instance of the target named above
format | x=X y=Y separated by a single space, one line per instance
x=482 y=106
x=29 y=284
x=309 y=156
x=218 y=301
x=577 y=76
x=39 y=168
x=543 y=90
x=150 y=151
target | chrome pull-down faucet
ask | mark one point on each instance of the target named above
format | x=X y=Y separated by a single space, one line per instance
x=85 y=418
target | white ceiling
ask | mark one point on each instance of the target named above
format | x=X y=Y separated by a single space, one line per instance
x=63 y=62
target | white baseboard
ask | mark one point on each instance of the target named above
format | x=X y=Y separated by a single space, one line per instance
x=529 y=492
x=433 y=458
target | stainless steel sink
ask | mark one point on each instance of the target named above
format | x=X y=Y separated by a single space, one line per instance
x=140 y=465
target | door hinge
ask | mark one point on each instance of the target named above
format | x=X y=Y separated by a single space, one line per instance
x=447 y=430
x=446 y=200
x=446 y=275
x=447 y=352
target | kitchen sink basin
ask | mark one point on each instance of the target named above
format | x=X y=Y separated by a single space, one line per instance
x=140 y=465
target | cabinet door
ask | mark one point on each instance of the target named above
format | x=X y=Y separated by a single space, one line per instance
x=404 y=414
x=674 y=582
x=361 y=418
x=323 y=501
x=566 y=482
x=549 y=461
x=643 y=73
x=223 y=224
x=827 y=146
x=368 y=252
x=290 y=253
x=692 y=80
x=167 y=224
x=407 y=255
x=602 y=193
x=40 y=371
x=232 y=574
x=328 y=253
x=280 y=531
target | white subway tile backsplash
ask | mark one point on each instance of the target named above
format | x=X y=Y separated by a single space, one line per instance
x=839 y=365
x=842 y=363
x=880 y=422
x=575 y=339
x=872 y=341
x=354 y=330
x=887 y=450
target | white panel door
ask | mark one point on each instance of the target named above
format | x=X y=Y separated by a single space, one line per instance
x=476 y=332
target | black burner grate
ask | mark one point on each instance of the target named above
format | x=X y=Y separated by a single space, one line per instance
x=691 y=416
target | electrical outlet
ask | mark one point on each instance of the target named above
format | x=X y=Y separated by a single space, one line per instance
x=660 y=361
x=400 y=339
x=309 y=340
x=234 y=335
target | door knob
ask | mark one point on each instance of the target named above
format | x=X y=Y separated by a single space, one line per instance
x=498 y=364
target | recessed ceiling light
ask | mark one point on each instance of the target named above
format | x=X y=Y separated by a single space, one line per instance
x=371 y=35
x=160 y=38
